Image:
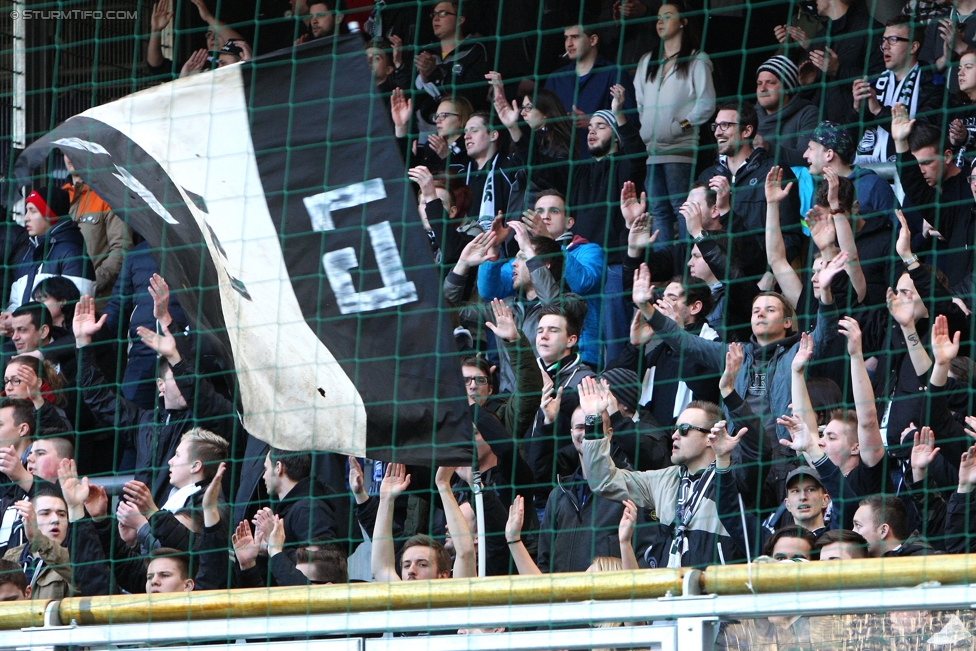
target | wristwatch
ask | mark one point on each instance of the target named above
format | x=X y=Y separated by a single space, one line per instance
x=593 y=420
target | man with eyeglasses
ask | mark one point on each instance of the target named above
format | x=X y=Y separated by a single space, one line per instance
x=905 y=82
x=938 y=199
x=456 y=66
x=738 y=177
x=683 y=495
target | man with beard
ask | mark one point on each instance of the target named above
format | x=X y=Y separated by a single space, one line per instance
x=617 y=156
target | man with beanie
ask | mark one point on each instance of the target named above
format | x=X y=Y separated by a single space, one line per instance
x=56 y=247
x=785 y=121
x=615 y=147
x=645 y=442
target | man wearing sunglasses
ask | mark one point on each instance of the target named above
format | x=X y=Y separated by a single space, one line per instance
x=683 y=495
x=905 y=81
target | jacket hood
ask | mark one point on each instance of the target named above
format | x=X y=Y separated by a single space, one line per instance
x=785 y=112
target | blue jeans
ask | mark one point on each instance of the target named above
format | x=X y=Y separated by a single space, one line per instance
x=668 y=185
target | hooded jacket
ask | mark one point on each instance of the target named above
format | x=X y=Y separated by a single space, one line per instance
x=58 y=252
x=788 y=130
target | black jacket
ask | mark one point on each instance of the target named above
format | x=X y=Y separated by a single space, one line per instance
x=594 y=192
x=747 y=222
x=155 y=434
x=574 y=531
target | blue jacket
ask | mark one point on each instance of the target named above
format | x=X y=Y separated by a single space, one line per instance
x=582 y=274
x=59 y=252
x=591 y=92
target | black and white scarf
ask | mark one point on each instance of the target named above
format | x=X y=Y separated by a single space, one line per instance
x=691 y=493
x=875 y=146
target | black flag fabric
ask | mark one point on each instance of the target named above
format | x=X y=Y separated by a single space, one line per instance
x=275 y=200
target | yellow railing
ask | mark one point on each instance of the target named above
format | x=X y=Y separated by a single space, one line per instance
x=504 y=590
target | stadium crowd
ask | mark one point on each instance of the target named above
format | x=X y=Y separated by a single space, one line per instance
x=768 y=358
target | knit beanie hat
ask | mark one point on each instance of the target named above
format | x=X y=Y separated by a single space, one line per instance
x=625 y=386
x=52 y=202
x=611 y=120
x=784 y=70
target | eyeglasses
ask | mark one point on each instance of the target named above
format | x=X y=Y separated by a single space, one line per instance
x=526 y=108
x=12 y=381
x=480 y=380
x=443 y=116
x=893 y=40
x=443 y=13
x=684 y=428
x=723 y=126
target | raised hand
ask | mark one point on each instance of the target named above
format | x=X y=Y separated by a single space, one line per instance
x=11 y=466
x=32 y=383
x=733 y=362
x=85 y=325
x=630 y=206
x=902 y=310
x=958 y=135
x=944 y=349
x=804 y=353
x=639 y=237
x=508 y=114
x=263 y=523
x=924 y=451
x=802 y=439
x=423 y=178
x=826 y=60
x=139 y=495
x=396 y=43
x=550 y=405
x=75 y=491
x=128 y=515
x=276 y=538
x=476 y=252
x=438 y=144
x=640 y=330
x=163 y=343
x=901 y=126
x=903 y=245
x=357 y=481
x=97 y=502
x=195 y=63
x=642 y=293
x=692 y=213
x=775 y=193
x=516 y=515
x=723 y=193
x=832 y=268
x=534 y=224
x=443 y=476
x=211 y=514
x=395 y=481
x=967 y=470
x=617 y=95
x=522 y=236
x=592 y=400
x=833 y=186
x=161 y=15
x=822 y=230
x=852 y=330
x=722 y=443
x=504 y=325
x=401 y=108
x=628 y=522
x=26 y=512
x=159 y=290
x=245 y=547
x=971 y=426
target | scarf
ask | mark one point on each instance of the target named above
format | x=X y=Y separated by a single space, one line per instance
x=486 y=215
x=691 y=493
x=875 y=146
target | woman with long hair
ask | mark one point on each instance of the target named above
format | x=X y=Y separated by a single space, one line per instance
x=675 y=95
x=541 y=133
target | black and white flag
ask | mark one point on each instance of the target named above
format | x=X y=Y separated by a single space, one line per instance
x=277 y=190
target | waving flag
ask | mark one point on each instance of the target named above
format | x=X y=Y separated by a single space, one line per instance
x=274 y=198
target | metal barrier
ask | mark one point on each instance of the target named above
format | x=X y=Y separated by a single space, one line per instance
x=664 y=608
